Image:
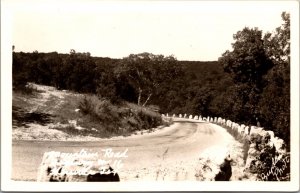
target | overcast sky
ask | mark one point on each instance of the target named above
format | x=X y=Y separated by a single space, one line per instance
x=190 y=30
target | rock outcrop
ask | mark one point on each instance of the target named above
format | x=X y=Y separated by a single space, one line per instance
x=225 y=170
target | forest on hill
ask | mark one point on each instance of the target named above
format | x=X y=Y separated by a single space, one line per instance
x=249 y=84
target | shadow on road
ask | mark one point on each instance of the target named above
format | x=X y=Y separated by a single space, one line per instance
x=189 y=121
x=22 y=118
x=207 y=131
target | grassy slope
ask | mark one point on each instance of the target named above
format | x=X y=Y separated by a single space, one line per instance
x=47 y=107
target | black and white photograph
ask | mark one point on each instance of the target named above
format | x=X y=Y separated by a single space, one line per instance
x=149 y=95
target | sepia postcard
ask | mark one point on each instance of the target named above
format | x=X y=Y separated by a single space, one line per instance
x=149 y=95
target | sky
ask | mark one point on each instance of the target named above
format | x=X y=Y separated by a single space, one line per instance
x=189 y=30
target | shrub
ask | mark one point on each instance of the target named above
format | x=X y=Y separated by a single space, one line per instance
x=269 y=164
x=123 y=118
x=99 y=108
x=167 y=122
x=85 y=106
x=27 y=89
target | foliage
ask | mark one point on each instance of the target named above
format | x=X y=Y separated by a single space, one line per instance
x=145 y=72
x=260 y=68
x=20 y=75
x=247 y=64
x=269 y=165
x=276 y=112
x=277 y=45
x=78 y=70
x=122 y=119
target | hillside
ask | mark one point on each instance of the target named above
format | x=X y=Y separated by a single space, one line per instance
x=45 y=113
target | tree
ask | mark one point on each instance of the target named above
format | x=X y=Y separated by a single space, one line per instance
x=78 y=70
x=247 y=63
x=145 y=72
x=260 y=68
x=19 y=72
x=275 y=102
x=277 y=45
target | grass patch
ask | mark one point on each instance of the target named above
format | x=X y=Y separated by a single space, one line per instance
x=27 y=90
x=101 y=118
x=66 y=111
x=25 y=108
x=116 y=120
x=22 y=118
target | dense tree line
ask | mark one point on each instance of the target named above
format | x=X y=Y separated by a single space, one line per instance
x=260 y=67
x=249 y=84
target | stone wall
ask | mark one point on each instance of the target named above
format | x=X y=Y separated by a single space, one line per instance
x=267 y=157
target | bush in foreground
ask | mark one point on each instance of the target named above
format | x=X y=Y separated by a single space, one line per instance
x=108 y=118
x=267 y=162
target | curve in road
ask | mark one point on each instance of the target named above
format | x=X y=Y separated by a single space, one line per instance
x=168 y=154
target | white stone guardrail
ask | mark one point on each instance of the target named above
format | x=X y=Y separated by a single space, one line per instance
x=253 y=136
x=243 y=130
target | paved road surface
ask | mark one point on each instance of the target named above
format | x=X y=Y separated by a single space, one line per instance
x=181 y=143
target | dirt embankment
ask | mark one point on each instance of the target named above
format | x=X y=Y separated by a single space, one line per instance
x=33 y=113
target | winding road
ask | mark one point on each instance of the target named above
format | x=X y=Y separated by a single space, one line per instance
x=167 y=154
